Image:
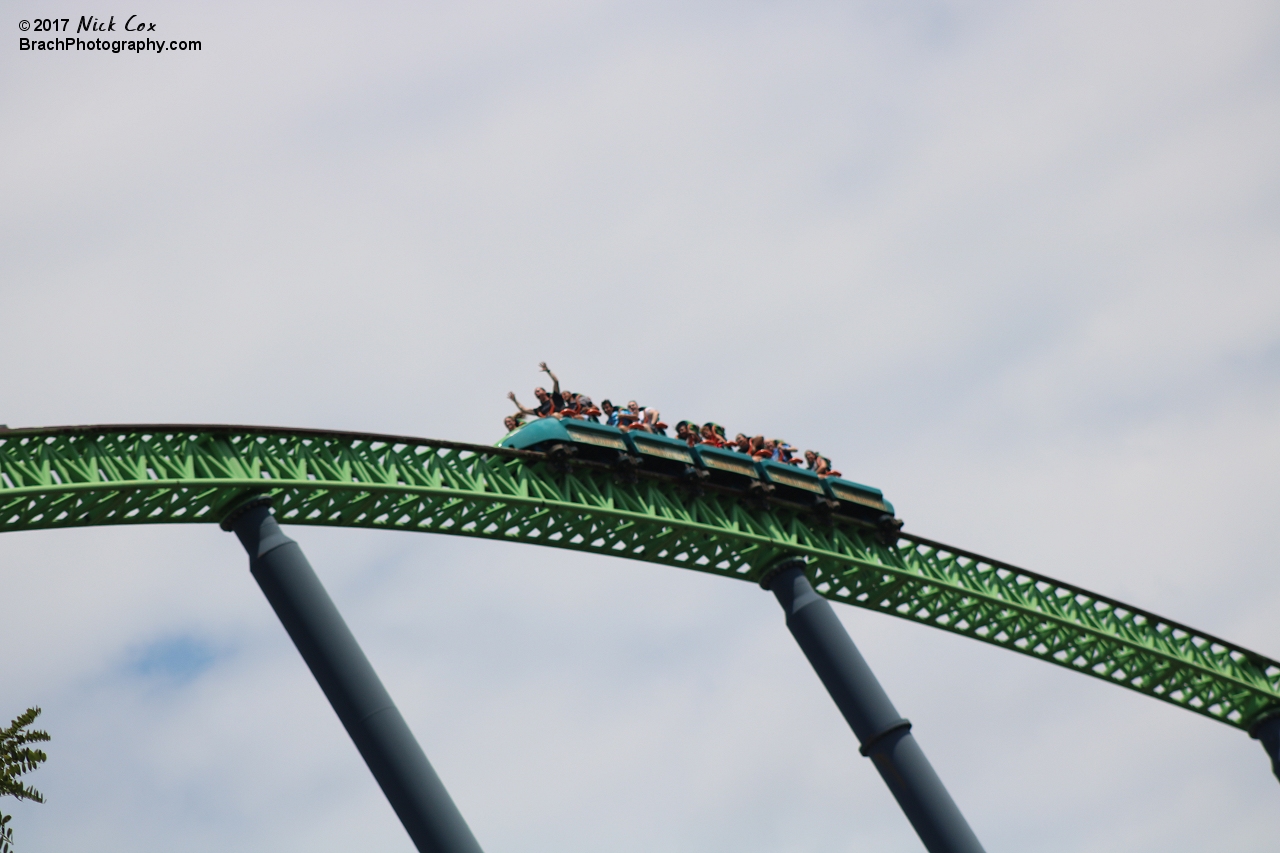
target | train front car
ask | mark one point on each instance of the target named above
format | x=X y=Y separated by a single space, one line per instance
x=572 y=439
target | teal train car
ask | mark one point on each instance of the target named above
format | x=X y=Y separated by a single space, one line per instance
x=798 y=485
x=857 y=499
x=665 y=455
x=582 y=439
x=729 y=469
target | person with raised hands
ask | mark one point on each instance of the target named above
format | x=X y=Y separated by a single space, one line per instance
x=549 y=405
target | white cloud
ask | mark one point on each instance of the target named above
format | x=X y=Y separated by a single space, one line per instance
x=1013 y=263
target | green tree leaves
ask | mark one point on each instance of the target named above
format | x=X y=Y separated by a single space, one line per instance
x=17 y=758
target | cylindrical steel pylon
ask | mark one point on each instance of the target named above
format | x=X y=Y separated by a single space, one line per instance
x=885 y=736
x=347 y=678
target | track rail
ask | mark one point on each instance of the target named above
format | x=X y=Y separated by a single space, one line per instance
x=156 y=474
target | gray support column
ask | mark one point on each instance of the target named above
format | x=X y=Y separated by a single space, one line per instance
x=885 y=736
x=1267 y=733
x=363 y=705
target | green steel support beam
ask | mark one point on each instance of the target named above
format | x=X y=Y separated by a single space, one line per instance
x=81 y=476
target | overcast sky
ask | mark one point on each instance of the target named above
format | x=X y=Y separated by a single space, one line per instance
x=1014 y=263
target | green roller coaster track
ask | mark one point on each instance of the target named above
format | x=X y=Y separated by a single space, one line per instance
x=82 y=476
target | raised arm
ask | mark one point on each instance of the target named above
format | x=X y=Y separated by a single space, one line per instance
x=555 y=382
x=511 y=395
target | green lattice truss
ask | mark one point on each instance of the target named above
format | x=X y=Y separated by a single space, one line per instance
x=79 y=476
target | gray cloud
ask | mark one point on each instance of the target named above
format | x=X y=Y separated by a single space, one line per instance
x=1013 y=263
